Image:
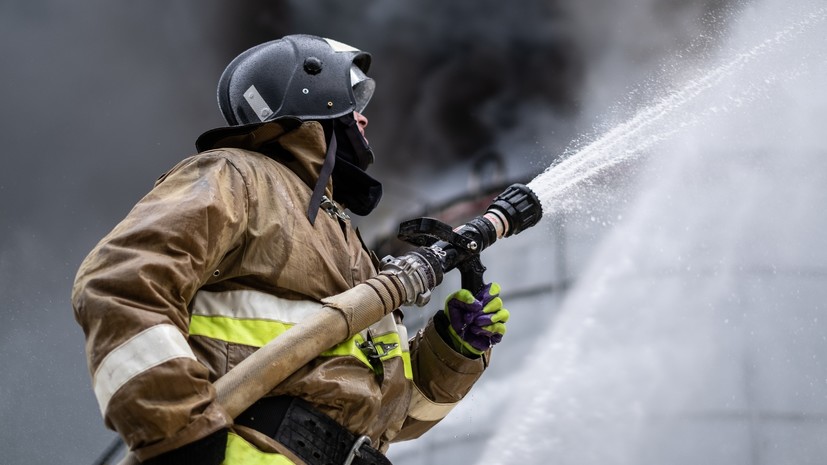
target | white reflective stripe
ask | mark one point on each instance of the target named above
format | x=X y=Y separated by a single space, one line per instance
x=247 y=304
x=257 y=103
x=424 y=409
x=149 y=348
x=338 y=46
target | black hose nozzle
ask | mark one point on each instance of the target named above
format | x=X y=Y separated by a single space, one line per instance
x=446 y=248
x=520 y=208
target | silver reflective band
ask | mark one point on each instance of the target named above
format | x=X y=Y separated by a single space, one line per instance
x=357 y=75
x=245 y=304
x=257 y=103
x=363 y=87
x=339 y=47
x=149 y=348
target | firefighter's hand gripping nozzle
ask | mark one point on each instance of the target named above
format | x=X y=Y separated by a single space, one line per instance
x=443 y=248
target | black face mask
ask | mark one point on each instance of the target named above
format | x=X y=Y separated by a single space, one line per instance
x=352 y=186
x=352 y=145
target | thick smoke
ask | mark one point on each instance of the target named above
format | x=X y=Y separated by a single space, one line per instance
x=101 y=98
x=451 y=76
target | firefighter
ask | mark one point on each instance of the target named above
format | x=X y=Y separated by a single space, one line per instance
x=238 y=243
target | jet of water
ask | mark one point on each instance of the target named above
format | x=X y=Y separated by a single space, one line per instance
x=547 y=422
x=568 y=183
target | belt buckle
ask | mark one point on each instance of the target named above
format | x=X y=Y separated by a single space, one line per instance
x=354 y=451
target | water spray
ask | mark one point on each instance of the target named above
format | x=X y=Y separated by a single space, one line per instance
x=443 y=248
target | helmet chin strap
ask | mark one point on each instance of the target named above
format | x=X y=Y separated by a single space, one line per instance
x=345 y=163
x=324 y=176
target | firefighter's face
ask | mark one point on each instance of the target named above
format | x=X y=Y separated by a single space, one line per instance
x=361 y=122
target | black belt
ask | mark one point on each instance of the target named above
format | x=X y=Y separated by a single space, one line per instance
x=313 y=436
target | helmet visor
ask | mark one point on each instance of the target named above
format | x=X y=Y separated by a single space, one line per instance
x=363 y=87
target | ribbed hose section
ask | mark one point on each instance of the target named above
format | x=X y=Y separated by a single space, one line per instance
x=259 y=373
x=342 y=316
x=368 y=302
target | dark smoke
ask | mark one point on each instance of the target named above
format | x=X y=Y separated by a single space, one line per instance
x=100 y=98
x=451 y=75
x=457 y=76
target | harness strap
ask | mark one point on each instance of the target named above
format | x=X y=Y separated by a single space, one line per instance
x=310 y=434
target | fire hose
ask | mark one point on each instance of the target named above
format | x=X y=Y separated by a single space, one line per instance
x=405 y=280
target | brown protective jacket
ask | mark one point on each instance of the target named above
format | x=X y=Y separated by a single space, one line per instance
x=231 y=222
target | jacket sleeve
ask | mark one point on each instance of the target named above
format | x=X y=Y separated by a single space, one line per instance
x=131 y=295
x=442 y=377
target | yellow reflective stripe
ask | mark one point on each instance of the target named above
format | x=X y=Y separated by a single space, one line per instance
x=254 y=333
x=257 y=333
x=255 y=318
x=406 y=363
x=394 y=339
x=350 y=347
x=388 y=339
x=241 y=452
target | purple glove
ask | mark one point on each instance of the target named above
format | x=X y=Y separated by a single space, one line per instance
x=476 y=322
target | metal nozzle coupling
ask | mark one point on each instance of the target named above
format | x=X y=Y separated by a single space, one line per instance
x=417 y=274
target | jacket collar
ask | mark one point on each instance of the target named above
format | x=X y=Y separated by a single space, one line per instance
x=301 y=146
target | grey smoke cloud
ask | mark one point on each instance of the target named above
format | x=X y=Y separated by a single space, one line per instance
x=100 y=99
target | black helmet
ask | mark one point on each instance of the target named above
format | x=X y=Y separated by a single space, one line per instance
x=308 y=77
